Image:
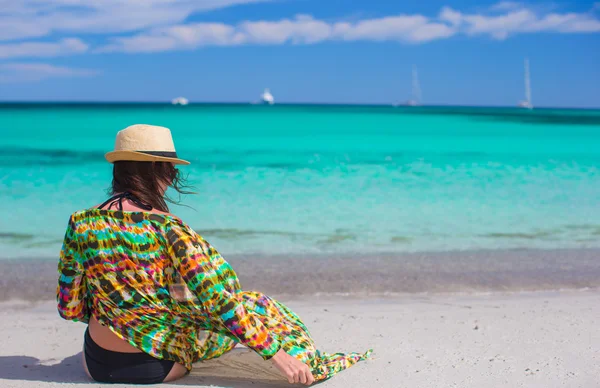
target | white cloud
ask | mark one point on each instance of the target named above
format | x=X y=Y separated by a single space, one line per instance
x=66 y=46
x=498 y=26
x=27 y=72
x=387 y=28
x=451 y=16
x=177 y=37
x=24 y=19
x=303 y=29
x=431 y=31
x=14 y=28
x=407 y=28
x=567 y=23
x=524 y=21
x=159 y=25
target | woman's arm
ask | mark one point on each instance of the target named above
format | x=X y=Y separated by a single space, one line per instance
x=71 y=290
x=192 y=259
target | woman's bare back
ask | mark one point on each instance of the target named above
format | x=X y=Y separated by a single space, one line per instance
x=108 y=340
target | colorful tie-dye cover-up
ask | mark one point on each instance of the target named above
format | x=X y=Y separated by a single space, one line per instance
x=161 y=287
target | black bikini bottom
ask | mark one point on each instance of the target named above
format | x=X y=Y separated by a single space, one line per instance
x=106 y=366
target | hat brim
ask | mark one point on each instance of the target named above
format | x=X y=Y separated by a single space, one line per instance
x=134 y=156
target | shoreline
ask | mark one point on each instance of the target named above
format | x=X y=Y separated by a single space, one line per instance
x=530 y=339
x=367 y=275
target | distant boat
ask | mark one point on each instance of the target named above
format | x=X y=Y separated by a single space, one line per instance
x=267 y=98
x=526 y=104
x=180 y=101
x=415 y=99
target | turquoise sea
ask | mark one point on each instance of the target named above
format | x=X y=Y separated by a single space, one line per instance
x=296 y=179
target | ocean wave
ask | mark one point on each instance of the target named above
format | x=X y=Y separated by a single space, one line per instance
x=577 y=232
x=340 y=236
x=233 y=233
x=520 y=235
x=44 y=244
x=27 y=241
x=400 y=239
x=16 y=237
x=337 y=238
x=19 y=157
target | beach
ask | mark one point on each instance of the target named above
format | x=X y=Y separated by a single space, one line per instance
x=513 y=318
x=461 y=244
x=409 y=184
x=535 y=339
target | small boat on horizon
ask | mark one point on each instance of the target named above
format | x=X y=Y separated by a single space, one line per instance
x=415 y=99
x=267 y=98
x=526 y=104
x=180 y=101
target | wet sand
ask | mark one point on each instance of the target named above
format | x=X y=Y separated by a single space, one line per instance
x=365 y=274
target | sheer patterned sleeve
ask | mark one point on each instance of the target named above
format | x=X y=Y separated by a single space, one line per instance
x=192 y=259
x=71 y=290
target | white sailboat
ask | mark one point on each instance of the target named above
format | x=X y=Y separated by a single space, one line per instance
x=267 y=98
x=415 y=99
x=180 y=101
x=527 y=102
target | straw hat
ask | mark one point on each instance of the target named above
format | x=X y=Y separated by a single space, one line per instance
x=144 y=143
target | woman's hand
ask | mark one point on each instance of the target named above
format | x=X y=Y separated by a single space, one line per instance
x=293 y=369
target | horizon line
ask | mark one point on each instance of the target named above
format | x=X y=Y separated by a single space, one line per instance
x=244 y=103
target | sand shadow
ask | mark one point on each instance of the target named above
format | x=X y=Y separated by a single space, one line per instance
x=69 y=370
x=240 y=368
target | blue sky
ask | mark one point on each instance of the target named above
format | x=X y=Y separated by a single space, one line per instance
x=467 y=52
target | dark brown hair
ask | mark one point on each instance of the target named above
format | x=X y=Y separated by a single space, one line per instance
x=144 y=180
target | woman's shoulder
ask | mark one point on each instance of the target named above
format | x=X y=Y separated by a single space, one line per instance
x=173 y=226
x=177 y=227
x=77 y=216
x=126 y=215
x=180 y=233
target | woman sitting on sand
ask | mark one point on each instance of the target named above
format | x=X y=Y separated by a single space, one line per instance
x=157 y=296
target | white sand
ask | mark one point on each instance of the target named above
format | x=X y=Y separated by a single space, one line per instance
x=519 y=340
